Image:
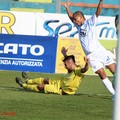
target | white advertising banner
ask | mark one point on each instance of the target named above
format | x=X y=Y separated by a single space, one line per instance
x=47 y=24
x=17 y=23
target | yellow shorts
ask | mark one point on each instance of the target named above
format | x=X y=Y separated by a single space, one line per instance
x=53 y=87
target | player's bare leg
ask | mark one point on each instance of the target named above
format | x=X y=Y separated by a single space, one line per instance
x=111 y=67
x=101 y=73
x=105 y=80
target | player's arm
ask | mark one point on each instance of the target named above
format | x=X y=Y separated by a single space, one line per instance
x=70 y=14
x=64 y=51
x=99 y=8
x=86 y=67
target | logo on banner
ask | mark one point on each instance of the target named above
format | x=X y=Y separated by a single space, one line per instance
x=35 y=50
x=7 y=20
x=105 y=31
x=27 y=53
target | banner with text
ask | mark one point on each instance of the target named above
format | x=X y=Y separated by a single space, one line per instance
x=28 y=53
x=48 y=24
x=74 y=48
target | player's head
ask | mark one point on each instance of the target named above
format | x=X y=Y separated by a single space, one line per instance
x=69 y=62
x=78 y=18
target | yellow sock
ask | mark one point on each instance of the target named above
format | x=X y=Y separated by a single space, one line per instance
x=35 y=81
x=31 y=87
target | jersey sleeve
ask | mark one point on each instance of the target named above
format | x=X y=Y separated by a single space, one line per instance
x=93 y=20
x=78 y=71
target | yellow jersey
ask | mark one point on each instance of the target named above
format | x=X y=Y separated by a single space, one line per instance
x=71 y=81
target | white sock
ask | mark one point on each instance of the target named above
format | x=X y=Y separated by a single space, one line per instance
x=108 y=85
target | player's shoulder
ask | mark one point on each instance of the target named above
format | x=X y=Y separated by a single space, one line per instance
x=78 y=71
x=78 y=68
x=92 y=20
x=93 y=17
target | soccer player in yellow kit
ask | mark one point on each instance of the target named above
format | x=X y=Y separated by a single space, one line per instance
x=68 y=84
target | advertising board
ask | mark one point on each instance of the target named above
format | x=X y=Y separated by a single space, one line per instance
x=28 y=53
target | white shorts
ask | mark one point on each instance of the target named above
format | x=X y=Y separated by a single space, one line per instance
x=100 y=59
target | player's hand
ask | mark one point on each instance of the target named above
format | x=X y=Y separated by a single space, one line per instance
x=67 y=4
x=64 y=51
x=86 y=59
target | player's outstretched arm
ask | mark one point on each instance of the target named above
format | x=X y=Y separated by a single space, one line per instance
x=86 y=67
x=99 y=8
x=70 y=14
x=64 y=51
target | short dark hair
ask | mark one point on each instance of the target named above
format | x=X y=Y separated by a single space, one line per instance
x=69 y=57
x=78 y=13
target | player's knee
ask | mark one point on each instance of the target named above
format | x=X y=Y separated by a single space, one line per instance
x=46 y=81
x=41 y=87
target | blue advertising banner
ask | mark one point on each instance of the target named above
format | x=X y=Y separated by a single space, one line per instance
x=28 y=53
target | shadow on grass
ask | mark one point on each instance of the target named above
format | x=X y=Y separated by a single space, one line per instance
x=102 y=96
x=14 y=89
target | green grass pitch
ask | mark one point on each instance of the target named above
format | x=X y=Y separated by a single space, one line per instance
x=91 y=102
